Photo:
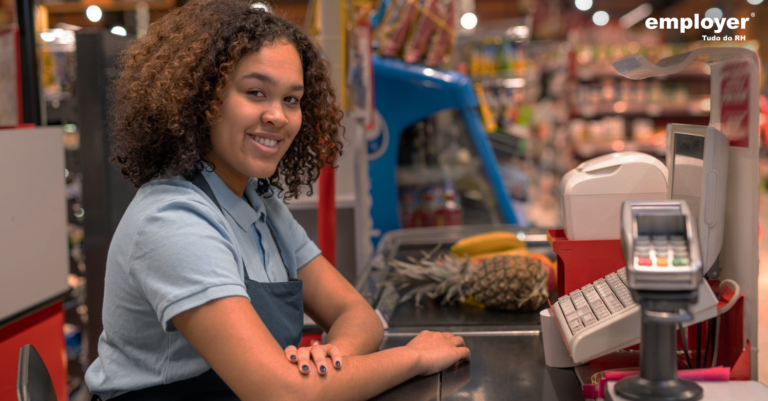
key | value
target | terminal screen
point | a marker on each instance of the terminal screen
(688, 170)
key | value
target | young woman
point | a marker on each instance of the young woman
(222, 111)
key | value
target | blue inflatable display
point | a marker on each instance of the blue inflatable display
(406, 94)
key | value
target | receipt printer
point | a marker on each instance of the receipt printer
(593, 192)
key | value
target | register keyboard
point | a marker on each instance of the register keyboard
(602, 317)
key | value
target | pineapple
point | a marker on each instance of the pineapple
(514, 282)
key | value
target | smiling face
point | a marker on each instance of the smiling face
(259, 116)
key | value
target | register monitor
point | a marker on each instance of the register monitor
(697, 164)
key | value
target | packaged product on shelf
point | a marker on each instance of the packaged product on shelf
(417, 44)
(450, 212)
(443, 40)
(388, 22)
(394, 36)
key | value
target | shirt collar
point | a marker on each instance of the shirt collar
(240, 210)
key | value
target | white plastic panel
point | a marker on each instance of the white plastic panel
(33, 236)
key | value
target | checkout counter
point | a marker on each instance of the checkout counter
(507, 349)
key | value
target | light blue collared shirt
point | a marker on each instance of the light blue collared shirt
(174, 251)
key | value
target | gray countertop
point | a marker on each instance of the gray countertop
(503, 367)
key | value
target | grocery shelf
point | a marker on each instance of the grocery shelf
(589, 73)
(589, 150)
(649, 109)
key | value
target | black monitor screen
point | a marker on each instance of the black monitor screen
(689, 145)
(661, 224)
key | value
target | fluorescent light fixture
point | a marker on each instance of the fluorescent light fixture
(714, 13)
(513, 83)
(93, 13)
(583, 5)
(600, 18)
(469, 21)
(118, 30)
(261, 6)
(754, 2)
(638, 14)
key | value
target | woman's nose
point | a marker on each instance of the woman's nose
(274, 115)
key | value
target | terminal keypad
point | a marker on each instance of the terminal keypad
(596, 302)
(661, 251)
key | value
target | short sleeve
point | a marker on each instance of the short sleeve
(304, 248)
(183, 257)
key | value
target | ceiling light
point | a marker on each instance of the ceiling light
(260, 6)
(520, 31)
(600, 18)
(714, 13)
(583, 5)
(93, 13)
(47, 36)
(469, 21)
(754, 2)
(118, 30)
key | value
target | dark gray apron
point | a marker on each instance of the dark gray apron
(279, 305)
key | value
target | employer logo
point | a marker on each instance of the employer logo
(695, 23)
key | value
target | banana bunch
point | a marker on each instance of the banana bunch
(489, 244)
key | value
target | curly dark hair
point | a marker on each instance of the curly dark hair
(171, 84)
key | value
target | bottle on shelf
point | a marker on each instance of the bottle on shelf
(428, 210)
(450, 212)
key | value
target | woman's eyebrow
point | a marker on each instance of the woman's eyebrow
(269, 80)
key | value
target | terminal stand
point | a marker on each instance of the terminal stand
(658, 379)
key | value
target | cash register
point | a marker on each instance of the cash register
(602, 316)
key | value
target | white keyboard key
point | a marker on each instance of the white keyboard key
(588, 320)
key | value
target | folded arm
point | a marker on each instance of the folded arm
(339, 309)
(230, 336)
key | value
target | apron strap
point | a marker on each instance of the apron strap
(199, 181)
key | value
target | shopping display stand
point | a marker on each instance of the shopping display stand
(735, 108)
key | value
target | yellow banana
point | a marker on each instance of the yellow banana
(486, 243)
(518, 251)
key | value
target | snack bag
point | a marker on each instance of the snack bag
(417, 45)
(392, 42)
(443, 40)
(387, 23)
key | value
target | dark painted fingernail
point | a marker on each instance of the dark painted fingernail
(305, 367)
(322, 369)
(293, 356)
(338, 363)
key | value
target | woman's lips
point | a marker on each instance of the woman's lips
(266, 145)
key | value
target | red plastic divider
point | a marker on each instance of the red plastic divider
(582, 262)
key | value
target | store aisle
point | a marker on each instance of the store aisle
(762, 308)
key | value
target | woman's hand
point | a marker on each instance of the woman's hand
(438, 351)
(318, 352)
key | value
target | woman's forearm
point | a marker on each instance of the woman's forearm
(360, 378)
(356, 332)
